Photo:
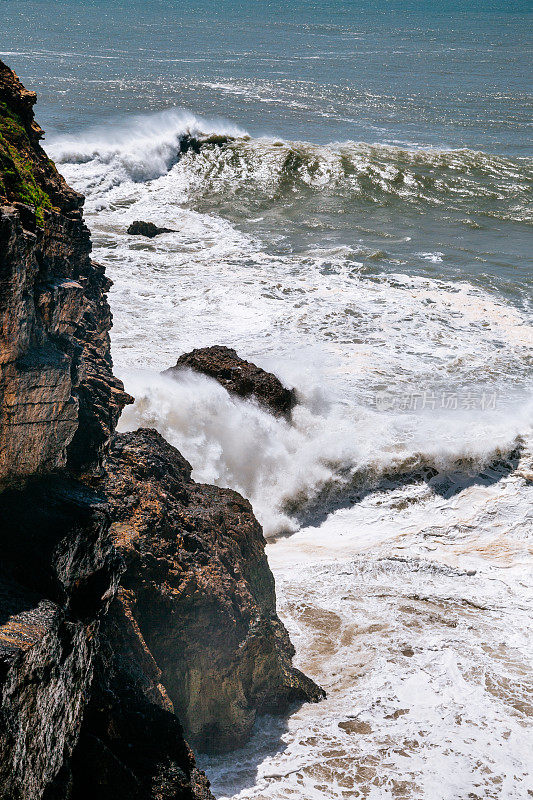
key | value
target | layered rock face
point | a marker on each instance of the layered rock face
(198, 589)
(58, 568)
(59, 399)
(59, 403)
(240, 377)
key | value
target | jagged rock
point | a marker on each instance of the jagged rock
(27, 175)
(59, 399)
(131, 745)
(59, 572)
(201, 594)
(140, 228)
(239, 376)
(59, 404)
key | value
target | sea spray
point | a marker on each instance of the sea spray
(139, 149)
(323, 459)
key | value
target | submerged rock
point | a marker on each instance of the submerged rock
(240, 377)
(140, 228)
(200, 594)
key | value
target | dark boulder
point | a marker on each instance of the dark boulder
(140, 228)
(240, 377)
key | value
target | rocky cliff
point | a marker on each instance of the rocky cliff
(59, 569)
(59, 404)
(59, 400)
(96, 679)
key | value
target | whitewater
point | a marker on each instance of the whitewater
(398, 501)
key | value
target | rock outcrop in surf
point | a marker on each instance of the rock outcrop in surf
(200, 593)
(239, 376)
(149, 229)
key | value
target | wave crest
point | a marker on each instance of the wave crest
(261, 170)
(360, 173)
(141, 148)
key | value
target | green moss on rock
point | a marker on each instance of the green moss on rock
(17, 179)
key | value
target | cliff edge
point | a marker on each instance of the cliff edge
(59, 399)
(59, 404)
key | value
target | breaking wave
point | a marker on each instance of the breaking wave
(140, 149)
(229, 167)
(327, 459)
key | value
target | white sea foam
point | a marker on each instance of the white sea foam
(428, 677)
(417, 623)
(140, 149)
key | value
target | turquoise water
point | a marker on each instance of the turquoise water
(364, 232)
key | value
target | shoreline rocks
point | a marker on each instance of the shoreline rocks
(239, 377)
(200, 592)
(59, 573)
(59, 405)
(97, 679)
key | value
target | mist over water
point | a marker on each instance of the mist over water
(364, 231)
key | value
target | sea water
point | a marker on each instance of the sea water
(365, 233)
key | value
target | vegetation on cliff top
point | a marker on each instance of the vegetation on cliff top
(17, 179)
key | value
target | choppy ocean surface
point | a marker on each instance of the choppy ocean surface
(365, 233)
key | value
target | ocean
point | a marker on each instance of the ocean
(362, 228)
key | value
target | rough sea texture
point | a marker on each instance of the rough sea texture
(367, 237)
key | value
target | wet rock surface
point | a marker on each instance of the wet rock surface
(148, 229)
(195, 142)
(240, 377)
(200, 593)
